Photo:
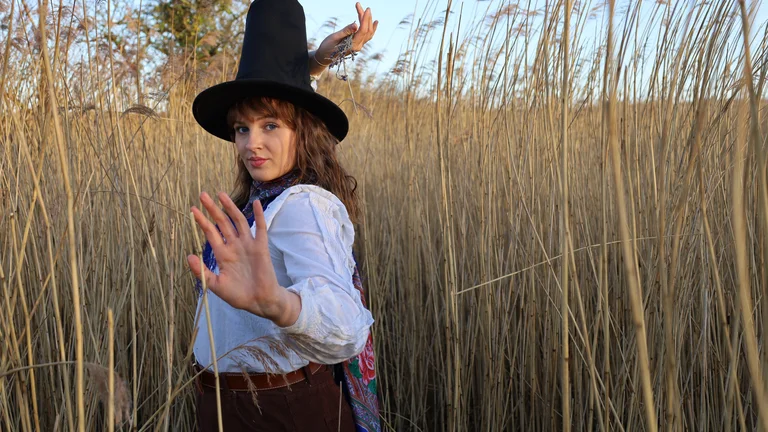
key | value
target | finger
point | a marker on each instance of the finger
(364, 22)
(361, 37)
(375, 26)
(366, 31)
(211, 233)
(241, 223)
(360, 12)
(221, 219)
(200, 271)
(368, 18)
(258, 217)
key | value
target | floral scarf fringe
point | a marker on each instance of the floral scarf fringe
(358, 373)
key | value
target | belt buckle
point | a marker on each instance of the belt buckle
(196, 369)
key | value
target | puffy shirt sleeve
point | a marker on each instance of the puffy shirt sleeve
(314, 235)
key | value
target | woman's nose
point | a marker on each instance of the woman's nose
(255, 140)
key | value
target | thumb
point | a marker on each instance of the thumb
(200, 270)
(348, 30)
(329, 43)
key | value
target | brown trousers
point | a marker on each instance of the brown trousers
(311, 405)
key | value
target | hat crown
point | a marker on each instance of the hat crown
(275, 44)
(274, 63)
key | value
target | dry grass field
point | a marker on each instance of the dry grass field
(542, 250)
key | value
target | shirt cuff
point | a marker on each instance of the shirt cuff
(314, 79)
(308, 318)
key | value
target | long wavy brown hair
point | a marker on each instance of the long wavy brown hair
(316, 161)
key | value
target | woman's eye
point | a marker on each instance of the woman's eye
(270, 126)
(241, 129)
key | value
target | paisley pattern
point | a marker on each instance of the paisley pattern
(358, 373)
(360, 379)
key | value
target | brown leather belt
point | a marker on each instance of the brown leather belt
(258, 381)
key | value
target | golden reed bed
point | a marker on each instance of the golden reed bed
(536, 258)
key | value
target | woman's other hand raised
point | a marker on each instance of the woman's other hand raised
(362, 35)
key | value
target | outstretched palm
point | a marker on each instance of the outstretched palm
(246, 278)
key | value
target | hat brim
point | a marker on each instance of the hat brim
(211, 106)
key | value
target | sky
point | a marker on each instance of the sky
(390, 13)
(391, 39)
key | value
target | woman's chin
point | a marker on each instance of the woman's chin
(263, 176)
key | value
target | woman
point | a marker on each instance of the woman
(288, 328)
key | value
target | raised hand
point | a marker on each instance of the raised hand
(362, 35)
(246, 278)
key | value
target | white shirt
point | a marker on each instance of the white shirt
(310, 242)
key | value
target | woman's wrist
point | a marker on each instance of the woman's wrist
(321, 59)
(317, 63)
(284, 310)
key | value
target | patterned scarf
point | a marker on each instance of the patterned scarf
(358, 373)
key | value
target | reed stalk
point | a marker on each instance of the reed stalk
(64, 166)
(565, 233)
(628, 252)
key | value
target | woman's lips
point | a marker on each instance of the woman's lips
(257, 162)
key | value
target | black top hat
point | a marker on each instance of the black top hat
(274, 63)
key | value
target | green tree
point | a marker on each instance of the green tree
(198, 29)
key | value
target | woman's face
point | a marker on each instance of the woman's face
(266, 145)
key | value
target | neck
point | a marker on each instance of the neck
(290, 176)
